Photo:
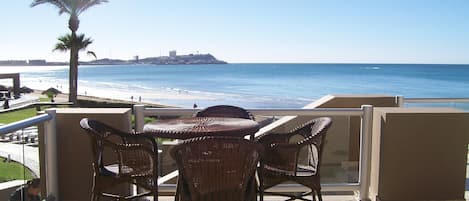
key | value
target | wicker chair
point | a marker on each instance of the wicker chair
(281, 159)
(217, 168)
(225, 111)
(136, 161)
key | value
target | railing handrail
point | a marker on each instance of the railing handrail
(34, 104)
(436, 100)
(18, 125)
(266, 111)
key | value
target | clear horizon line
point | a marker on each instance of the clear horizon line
(269, 62)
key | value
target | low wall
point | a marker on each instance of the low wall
(74, 152)
(419, 154)
(7, 188)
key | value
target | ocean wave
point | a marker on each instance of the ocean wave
(373, 68)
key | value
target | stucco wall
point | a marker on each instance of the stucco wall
(419, 154)
(74, 149)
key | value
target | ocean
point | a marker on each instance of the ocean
(251, 85)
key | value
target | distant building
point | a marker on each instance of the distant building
(37, 62)
(14, 62)
(172, 53)
(136, 58)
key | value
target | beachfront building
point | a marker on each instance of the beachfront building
(37, 62)
(172, 53)
(13, 63)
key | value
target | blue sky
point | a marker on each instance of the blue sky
(296, 31)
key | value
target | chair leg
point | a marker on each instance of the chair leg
(260, 179)
(178, 190)
(95, 196)
(155, 195)
(319, 195)
(261, 189)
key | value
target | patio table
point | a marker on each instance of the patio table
(186, 128)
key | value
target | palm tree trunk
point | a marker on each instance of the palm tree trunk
(73, 76)
(73, 24)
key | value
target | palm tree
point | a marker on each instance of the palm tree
(74, 8)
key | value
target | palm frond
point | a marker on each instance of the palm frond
(70, 6)
(83, 42)
(60, 4)
(92, 54)
(65, 42)
(60, 47)
(85, 4)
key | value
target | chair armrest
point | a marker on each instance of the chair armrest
(124, 135)
(133, 139)
(135, 147)
(269, 138)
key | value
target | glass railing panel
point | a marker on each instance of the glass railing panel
(340, 156)
(467, 175)
(459, 105)
(19, 159)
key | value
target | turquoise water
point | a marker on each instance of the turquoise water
(256, 85)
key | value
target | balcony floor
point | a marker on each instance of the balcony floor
(275, 198)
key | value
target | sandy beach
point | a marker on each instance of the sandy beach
(63, 98)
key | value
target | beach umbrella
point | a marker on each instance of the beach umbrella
(52, 90)
(51, 93)
(26, 90)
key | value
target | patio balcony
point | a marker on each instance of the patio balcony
(377, 149)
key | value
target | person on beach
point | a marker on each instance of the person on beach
(29, 192)
(6, 104)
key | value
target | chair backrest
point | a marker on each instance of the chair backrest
(97, 133)
(216, 168)
(314, 133)
(283, 152)
(103, 135)
(225, 111)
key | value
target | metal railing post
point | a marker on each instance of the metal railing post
(139, 113)
(50, 145)
(365, 152)
(400, 101)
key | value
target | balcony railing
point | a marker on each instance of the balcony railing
(463, 102)
(48, 120)
(365, 112)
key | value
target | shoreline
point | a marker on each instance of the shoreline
(63, 98)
